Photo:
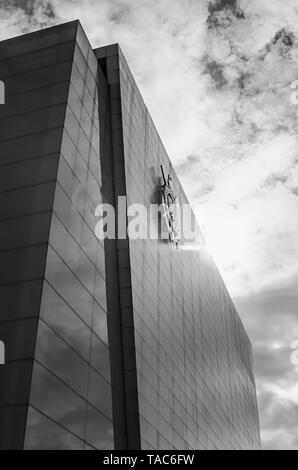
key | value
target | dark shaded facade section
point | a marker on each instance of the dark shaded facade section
(36, 71)
(126, 344)
(106, 100)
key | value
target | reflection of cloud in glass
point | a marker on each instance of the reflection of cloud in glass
(57, 400)
(65, 321)
(43, 433)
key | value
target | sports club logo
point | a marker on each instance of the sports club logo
(171, 208)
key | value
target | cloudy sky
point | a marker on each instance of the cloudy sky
(216, 76)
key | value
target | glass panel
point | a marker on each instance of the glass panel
(57, 401)
(99, 430)
(58, 314)
(100, 357)
(19, 338)
(29, 172)
(12, 427)
(39, 78)
(61, 359)
(69, 287)
(27, 200)
(27, 230)
(99, 394)
(44, 434)
(22, 264)
(16, 377)
(20, 300)
(45, 142)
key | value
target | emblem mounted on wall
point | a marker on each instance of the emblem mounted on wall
(171, 208)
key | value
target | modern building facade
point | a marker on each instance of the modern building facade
(115, 343)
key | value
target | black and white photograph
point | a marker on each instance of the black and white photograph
(148, 227)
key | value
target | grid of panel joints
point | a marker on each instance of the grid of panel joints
(210, 302)
(36, 75)
(71, 394)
